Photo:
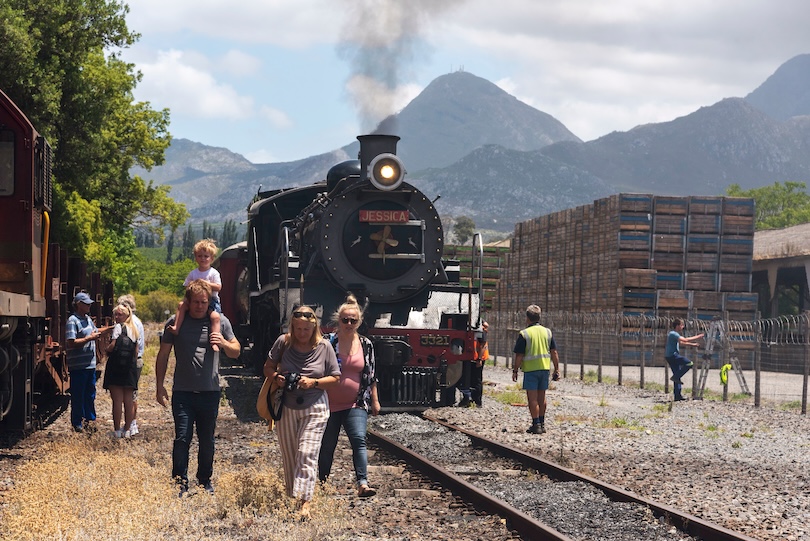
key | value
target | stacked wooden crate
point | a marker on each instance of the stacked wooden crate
(636, 254)
(493, 266)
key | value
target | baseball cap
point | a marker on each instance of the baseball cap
(82, 297)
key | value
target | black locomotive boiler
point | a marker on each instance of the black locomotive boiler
(361, 230)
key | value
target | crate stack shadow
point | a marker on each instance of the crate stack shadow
(641, 256)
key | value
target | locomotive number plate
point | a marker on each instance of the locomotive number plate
(434, 340)
(381, 216)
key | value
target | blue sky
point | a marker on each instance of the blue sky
(279, 80)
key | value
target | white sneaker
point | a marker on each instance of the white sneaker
(133, 428)
(127, 434)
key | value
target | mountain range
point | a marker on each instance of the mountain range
(498, 160)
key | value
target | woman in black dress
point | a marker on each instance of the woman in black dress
(121, 372)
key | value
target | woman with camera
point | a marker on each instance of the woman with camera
(354, 397)
(305, 364)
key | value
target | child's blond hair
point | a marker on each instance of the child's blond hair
(206, 245)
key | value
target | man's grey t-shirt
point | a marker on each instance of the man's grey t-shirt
(197, 365)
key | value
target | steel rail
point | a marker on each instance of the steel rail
(525, 525)
(694, 526)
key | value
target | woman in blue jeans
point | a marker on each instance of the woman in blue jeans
(353, 398)
(679, 364)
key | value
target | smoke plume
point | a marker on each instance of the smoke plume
(381, 40)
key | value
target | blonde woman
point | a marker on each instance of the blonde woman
(353, 398)
(305, 364)
(121, 372)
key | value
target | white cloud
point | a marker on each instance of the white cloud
(171, 81)
(288, 23)
(278, 119)
(596, 66)
(604, 66)
(236, 62)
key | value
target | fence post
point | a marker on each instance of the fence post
(806, 362)
(667, 323)
(601, 347)
(757, 360)
(642, 340)
(583, 318)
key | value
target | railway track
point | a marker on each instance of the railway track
(479, 489)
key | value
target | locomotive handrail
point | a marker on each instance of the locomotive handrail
(46, 219)
(285, 261)
(256, 259)
(476, 241)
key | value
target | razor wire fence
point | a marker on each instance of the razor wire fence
(764, 359)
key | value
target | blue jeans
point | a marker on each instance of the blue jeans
(354, 421)
(189, 408)
(82, 396)
(680, 365)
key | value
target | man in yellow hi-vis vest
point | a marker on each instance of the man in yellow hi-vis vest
(534, 352)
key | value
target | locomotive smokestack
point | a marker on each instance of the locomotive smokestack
(372, 146)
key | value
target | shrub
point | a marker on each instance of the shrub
(156, 306)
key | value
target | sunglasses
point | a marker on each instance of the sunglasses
(303, 315)
(348, 320)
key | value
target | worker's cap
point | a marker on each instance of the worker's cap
(82, 297)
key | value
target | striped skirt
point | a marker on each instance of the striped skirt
(299, 437)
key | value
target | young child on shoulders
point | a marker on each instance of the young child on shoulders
(204, 252)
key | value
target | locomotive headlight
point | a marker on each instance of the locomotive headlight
(386, 172)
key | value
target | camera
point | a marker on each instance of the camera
(291, 381)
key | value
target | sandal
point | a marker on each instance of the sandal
(366, 491)
(304, 514)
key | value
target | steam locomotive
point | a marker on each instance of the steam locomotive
(361, 230)
(37, 279)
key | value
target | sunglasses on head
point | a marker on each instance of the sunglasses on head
(303, 315)
(348, 320)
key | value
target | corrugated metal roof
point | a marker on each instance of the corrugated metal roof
(791, 241)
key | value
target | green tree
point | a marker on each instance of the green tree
(777, 206)
(189, 239)
(464, 229)
(208, 231)
(157, 276)
(170, 247)
(229, 234)
(60, 63)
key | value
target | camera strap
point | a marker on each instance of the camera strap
(276, 415)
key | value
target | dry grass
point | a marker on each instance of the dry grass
(98, 488)
(80, 486)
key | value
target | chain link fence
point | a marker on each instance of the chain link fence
(761, 360)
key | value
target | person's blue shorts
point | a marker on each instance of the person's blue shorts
(536, 380)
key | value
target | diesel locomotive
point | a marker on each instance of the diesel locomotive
(37, 279)
(363, 230)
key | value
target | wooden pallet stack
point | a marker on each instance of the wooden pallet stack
(637, 254)
(493, 264)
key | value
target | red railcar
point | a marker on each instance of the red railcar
(37, 279)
